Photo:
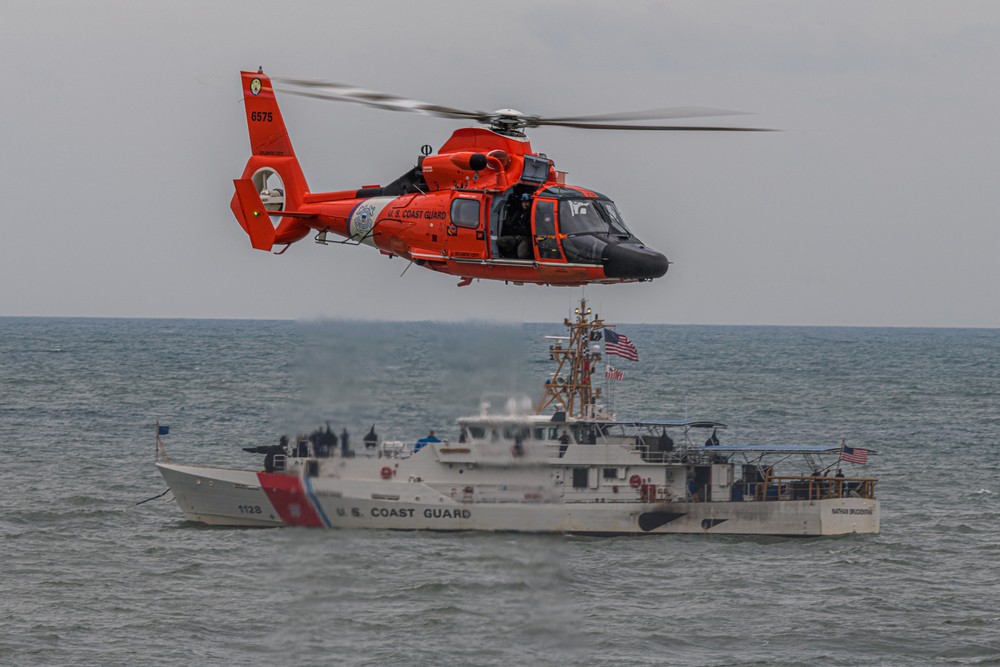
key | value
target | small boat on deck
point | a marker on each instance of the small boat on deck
(576, 470)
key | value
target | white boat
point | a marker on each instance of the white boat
(517, 472)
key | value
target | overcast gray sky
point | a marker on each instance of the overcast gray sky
(877, 205)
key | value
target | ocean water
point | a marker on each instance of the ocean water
(89, 578)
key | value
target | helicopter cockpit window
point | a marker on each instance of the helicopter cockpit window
(580, 216)
(583, 249)
(465, 213)
(615, 218)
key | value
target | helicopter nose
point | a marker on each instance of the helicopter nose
(633, 261)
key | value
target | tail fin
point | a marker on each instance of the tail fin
(271, 154)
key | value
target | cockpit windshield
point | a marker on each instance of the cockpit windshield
(590, 216)
(615, 218)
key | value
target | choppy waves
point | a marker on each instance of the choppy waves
(91, 579)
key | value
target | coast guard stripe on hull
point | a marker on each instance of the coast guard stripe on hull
(289, 499)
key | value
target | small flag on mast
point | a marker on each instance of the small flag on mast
(163, 430)
(854, 455)
(614, 374)
(616, 343)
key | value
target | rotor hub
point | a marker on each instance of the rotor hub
(508, 121)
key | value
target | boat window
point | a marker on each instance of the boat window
(478, 432)
(580, 478)
(465, 213)
(553, 434)
(580, 216)
(583, 249)
(508, 433)
(610, 473)
(525, 434)
(539, 434)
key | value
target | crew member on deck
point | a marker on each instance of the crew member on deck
(345, 448)
(563, 443)
(329, 441)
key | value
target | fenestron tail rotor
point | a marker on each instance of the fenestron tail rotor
(507, 120)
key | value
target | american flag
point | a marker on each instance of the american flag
(614, 374)
(853, 455)
(616, 343)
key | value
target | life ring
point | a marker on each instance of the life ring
(635, 481)
(386, 472)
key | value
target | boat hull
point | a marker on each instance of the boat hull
(226, 497)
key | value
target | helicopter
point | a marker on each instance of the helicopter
(485, 206)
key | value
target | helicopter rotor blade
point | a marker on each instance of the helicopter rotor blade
(651, 114)
(680, 128)
(339, 92)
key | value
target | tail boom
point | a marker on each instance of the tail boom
(272, 152)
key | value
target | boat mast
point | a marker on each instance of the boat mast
(571, 387)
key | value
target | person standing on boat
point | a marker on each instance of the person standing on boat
(563, 443)
(693, 489)
(345, 447)
(329, 441)
(518, 449)
(463, 436)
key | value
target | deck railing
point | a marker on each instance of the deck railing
(788, 487)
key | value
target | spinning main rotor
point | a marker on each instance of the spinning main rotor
(507, 121)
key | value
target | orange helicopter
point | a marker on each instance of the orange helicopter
(484, 207)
